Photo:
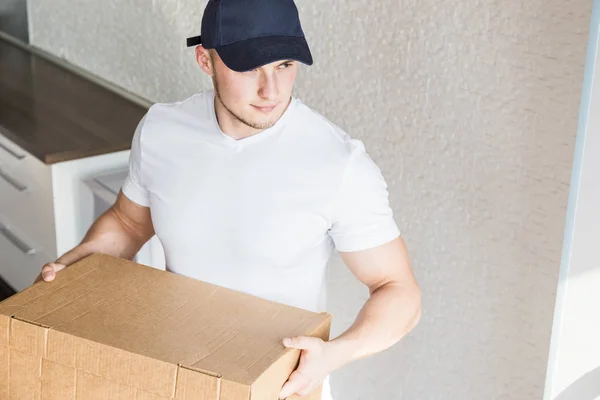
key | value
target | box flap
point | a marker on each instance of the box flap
(164, 316)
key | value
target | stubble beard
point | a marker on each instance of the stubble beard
(254, 125)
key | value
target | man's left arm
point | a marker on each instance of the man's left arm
(392, 310)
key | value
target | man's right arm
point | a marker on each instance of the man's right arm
(121, 232)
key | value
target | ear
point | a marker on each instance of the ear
(204, 60)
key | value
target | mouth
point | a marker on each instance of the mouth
(265, 109)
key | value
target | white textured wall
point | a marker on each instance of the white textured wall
(574, 363)
(470, 109)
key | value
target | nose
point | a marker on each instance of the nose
(268, 87)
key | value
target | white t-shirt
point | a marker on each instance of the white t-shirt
(262, 214)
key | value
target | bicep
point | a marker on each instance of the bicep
(135, 218)
(380, 265)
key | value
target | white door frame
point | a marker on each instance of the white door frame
(574, 360)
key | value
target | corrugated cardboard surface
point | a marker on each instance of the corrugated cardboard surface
(108, 328)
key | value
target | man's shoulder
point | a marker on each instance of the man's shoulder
(176, 119)
(193, 106)
(320, 130)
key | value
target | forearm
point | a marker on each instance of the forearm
(109, 235)
(390, 313)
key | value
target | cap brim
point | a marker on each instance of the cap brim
(249, 54)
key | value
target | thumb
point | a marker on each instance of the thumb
(300, 342)
(49, 270)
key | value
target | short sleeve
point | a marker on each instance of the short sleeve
(362, 216)
(133, 187)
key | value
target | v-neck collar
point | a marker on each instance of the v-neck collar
(239, 144)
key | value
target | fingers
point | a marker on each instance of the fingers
(299, 383)
(296, 384)
(49, 271)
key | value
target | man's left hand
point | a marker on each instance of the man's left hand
(317, 360)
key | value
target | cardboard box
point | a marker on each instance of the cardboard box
(111, 329)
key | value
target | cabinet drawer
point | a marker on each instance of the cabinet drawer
(26, 206)
(22, 164)
(11, 154)
(20, 264)
(26, 195)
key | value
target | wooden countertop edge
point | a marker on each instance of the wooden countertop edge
(70, 155)
(62, 156)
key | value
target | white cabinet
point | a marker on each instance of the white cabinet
(45, 210)
(26, 196)
(20, 262)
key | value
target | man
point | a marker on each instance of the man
(248, 188)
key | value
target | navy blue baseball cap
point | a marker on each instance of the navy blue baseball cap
(250, 33)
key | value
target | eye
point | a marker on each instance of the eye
(286, 65)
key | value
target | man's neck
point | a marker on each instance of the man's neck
(230, 124)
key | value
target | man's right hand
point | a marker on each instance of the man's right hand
(49, 272)
(121, 231)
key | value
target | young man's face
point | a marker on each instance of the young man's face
(255, 98)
